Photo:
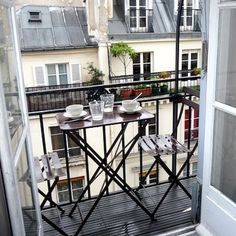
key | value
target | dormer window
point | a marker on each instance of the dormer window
(139, 15)
(35, 16)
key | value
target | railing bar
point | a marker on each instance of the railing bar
(105, 156)
(123, 153)
(87, 163)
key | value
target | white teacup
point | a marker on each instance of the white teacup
(130, 105)
(75, 109)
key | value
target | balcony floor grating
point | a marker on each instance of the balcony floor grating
(119, 215)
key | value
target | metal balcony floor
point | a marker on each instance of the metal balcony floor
(118, 215)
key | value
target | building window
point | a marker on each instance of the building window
(187, 17)
(194, 125)
(142, 65)
(193, 169)
(190, 60)
(138, 15)
(35, 16)
(58, 144)
(152, 126)
(57, 74)
(76, 188)
(151, 178)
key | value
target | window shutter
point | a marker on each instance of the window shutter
(75, 73)
(39, 76)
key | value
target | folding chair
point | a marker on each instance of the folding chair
(48, 167)
(158, 145)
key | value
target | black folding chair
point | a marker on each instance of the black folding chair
(159, 145)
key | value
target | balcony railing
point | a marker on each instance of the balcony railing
(60, 96)
(137, 157)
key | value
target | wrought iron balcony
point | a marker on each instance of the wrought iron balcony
(116, 214)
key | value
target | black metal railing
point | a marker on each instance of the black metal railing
(139, 20)
(70, 162)
(58, 97)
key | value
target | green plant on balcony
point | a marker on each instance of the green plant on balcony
(164, 74)
(146, 90)
(164, 86)
(95, 74)
(156, 90)
(196, 71)
(124, 53)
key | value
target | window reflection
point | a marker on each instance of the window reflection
(8, 76)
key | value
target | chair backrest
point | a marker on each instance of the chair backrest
(48, 167)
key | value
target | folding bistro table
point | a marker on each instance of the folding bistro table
(80, 138)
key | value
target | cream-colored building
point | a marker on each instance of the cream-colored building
(59, 39)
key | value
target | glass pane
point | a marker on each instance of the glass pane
(224, 158)
(76, 193)
(146, 57)
(74, 152)
(184, 56)
(142, 2)
(51, 69)
(8, 77)
(136, 69)
(133, 22)
(63, 196)
(142, 13)
(189, 21)
(57, 142)
(52, 80)
(132, 2)
(226, 73)
(146, 68)
(133, 13)
(136, 59)
(62, 68)
(63, 79)
(193, 56)
(142, 22)
(61, 187)
(26, 198)
(55, 130)
(77, 184)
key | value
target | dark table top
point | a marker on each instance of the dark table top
(111, 118)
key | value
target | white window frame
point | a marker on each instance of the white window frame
(141, 63)
(189, 52)
(138, 17)
(57, 72)
(67, 143)
(64, 181)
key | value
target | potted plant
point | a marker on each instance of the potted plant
(95, 74)
(142, 88)
(164, 74)
(164, 86)
(196, 71)
(156, 90)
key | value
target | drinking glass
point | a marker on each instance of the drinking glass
(108, 100)
(96, 109)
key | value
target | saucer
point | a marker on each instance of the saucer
(131, 112)
(82, 114)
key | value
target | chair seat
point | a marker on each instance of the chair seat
(161, 145)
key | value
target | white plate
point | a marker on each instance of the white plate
(83, 113)
(130, 112)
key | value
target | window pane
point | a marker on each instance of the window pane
(52, 80)
(142, 2)
(57, 142)
(146, 57)
(142, 13)
(224, 158)
(63, 79)
(62, 68)
(77, 184)
(226, 73)
(51, 69)
(184, 56)
(133, 22)
(136, 59)
(62, 187)
(133, 13)
(146, 68)
(55, 130)
(189, 21)
(74, 152)
(76, 193)
(63, 196)
(142, 22)
(132, 2)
